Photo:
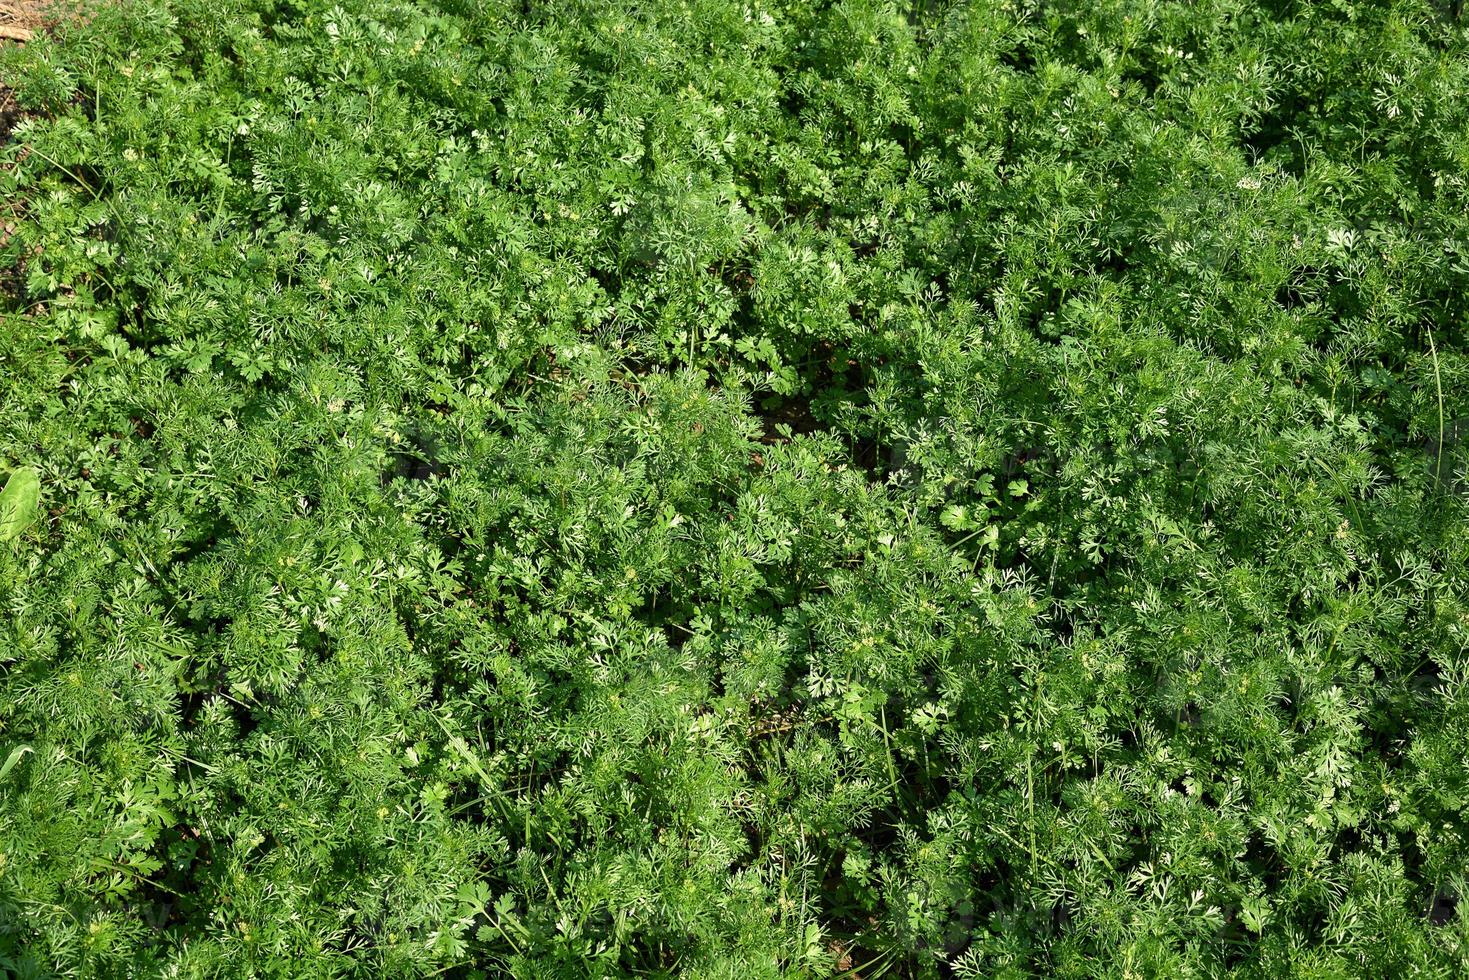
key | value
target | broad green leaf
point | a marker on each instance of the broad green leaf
(19, 503)
(16, 754)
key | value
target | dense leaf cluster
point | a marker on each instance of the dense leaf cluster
(736, 488)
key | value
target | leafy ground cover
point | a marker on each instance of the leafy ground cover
(736, 488)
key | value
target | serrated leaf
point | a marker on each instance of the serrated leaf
(19, 503)
(956, 517)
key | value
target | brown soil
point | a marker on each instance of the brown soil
(19, 19)
(10, 113)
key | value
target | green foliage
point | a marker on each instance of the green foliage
(18, 502)
(736, 490)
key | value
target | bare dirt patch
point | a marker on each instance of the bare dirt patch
(21, 19)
